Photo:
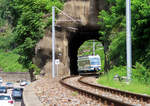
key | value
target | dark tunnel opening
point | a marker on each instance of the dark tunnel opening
(76, 39)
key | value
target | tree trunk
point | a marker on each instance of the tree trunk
(32, 75)
(106, 65)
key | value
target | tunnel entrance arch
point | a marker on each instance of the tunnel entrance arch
(75, 40)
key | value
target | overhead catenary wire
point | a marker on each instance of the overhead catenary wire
(61, 12)
(53, 35)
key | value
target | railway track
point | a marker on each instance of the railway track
(91, 92)
(144, 99)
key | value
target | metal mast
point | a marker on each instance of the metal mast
(128, 39)
(93, 47)
(53, 42)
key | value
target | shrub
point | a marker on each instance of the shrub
(141, 73)
(36, 70)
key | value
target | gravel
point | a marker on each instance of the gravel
(52, 93)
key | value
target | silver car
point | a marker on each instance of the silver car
(9, 85)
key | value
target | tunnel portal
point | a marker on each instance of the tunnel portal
(76, 39)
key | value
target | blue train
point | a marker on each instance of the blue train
(90, 63)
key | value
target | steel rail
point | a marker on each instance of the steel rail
(103, 99)
(127, 94)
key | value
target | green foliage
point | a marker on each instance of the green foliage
(121, 71)
(141, 73)
(75, 93)
(108, 77)
(8, 12)
(26, 52)
(116, 54)
(9, 62)
(35, 69)
(136, 85)
(7, 42)
(112, 22)
(141, 31)
(2, 22)
(30, 18)
(6, 36)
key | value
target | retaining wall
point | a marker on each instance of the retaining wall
(15, 76)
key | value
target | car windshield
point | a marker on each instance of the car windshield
(23, 81)
(9, 83)
(18, 92)
(3, 97)
(17, 89)
(95, 61)
(2, 87)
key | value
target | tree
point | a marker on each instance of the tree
(110, 24)
(27, 18)
(112, 28)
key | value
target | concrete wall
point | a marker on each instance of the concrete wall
(15, 76)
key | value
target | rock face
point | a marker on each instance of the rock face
(95, 7)
(43, 53)
(74, 25)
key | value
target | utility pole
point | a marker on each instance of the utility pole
(53, 34)
(93, 47)
(128, 39)
(53, 42)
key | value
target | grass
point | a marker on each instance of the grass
(75, 93)
(9, 63)
(135, 85)
(8, 60)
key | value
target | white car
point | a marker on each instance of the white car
(23, 82)
(6, 100)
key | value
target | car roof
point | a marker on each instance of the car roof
(9, 82)
(5, 94)
(17, 88)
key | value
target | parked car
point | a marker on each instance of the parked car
(6, 100)
(3, 89)
(23, 82)
(9, 85)
(17, 93)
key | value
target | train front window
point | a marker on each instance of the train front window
(95, 61)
